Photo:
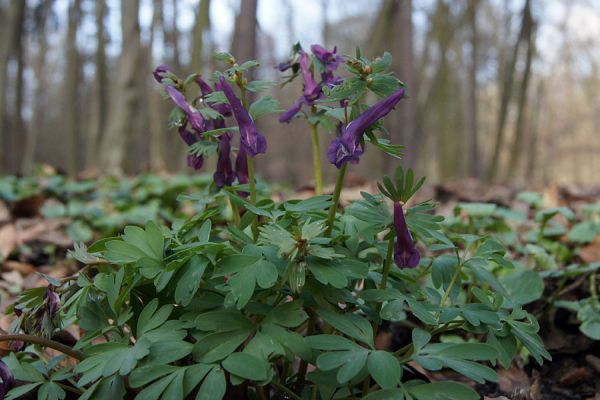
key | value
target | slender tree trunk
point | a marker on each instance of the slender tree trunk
(472, 114)
(393, 31)
(125, 101)
(157, 127)
(518, 142)
(507, 85)
(72, 79)
(532, 147)
(5, 23)
(244, 46)
(101, 87)
(200, 28)
(174, 36)
(40, 101)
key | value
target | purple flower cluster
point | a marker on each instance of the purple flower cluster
(313, 91)
(251, 141)
(406, 254)
(348, 146)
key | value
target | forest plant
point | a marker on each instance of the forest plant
(258, 299)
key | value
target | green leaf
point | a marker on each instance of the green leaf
(265, 105)
(150, 318)
(443, 391)
(216, 346)
(352, 325)
(246, 366)
(385, 369)
(290, 314)
(523, 287)
(213, 387)
(17, 392)
(330, 342)
(190, 278)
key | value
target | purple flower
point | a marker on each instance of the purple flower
(159, 71)
(406, 254)
(195, 161)
(330, 59)
(284, 66)
(224, 109)
(250, 138)
(8, 380)
(312, 90)
(348, 147)
(223, 175)
(52, 301)
(193, 116)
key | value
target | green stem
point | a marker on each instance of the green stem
(312, 322)
(252, 185)
(452, 282)
(339, 183)
(316, 150)
(45, 343)
(235, 213)
(388, 262)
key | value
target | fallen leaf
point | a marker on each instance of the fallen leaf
(575, 376)
(591, 252)
(8, 240)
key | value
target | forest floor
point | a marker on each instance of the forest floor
(41, 219)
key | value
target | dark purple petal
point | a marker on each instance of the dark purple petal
(330, 59)
(16, 346)
(8, 380)
(224, 175)
(338, 153)
(284, 66)
(195, 161)
(223, 109)
(241, 167)
(406, 254)
(204, 87)
(187, 136)
(159, 71)
(312, 90)
(293, 110)
(254, 142)
(52, 301)
(193, 116)
(349, 147)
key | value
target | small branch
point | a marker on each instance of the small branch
(45, 343)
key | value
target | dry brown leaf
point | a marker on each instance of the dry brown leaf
(575, 376)
(8, 240)
(513, 378)
(24, 269)
(591, 252)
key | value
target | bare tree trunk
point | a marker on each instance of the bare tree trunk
(506, 96)
(125, 103)
(174, 36)
(12, 47)
(71, 93)
(157, 130)
(393, 31)
(202, 25)
(101, 89)
(518, 145)
(472, 114)
(5, 23)
(244, 45)
(532, 148)
(40, 88)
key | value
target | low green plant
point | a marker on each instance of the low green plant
(262, 299)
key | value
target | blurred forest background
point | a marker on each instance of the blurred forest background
(499, 90)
